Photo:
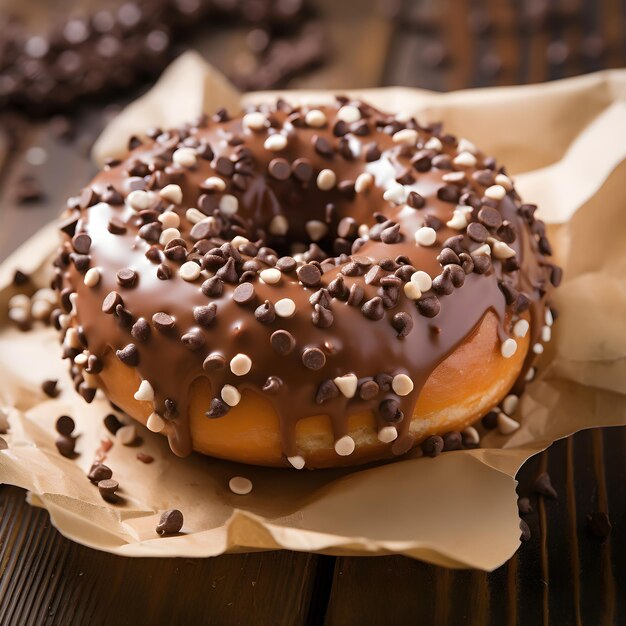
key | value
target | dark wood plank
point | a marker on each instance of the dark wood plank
(45, 578)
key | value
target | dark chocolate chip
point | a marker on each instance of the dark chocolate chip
(116, 226)
(170, 522)
(322, 317)
(194, 339)
(279, 169)
(302, 170)
(212, 287)
(217, 408)
(452, 441)
(543, 486)
(283, 342)
(390, 411)
(373, 309)
(81, 242)
(163, 321)
(214, 361)
(164, 272)
(442, 284)
(456, 275)
(265, 313)
(313, 358)
(433, 446)
(326, 391)
(429, 306)
(524, 506)
(272, 385)
(525, 530)
(356, 295)
(482, 263)
(309, 275)
(599, 524)
(477, 232)
(286, 264)
(126, 277)
(129, 355)
(228, 272)
(368, 390)
(490, 420)
(403, 324)
(141, 330)
(205, 315)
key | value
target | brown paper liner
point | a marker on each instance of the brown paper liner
(564, 142)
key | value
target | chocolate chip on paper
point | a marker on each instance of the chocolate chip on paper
(170, 522)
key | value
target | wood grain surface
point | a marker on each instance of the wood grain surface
(563, 575)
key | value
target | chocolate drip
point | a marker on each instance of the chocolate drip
(227, 176)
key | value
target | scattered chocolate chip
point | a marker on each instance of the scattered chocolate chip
(477, 232)
(286, 264)
(228, 272)
(302, 170)
(116, 226)
(452, 441)
(65, 425)
(309, 275)
(490, 420)
(214, 362)
(212, 287)
(322, 317)
(403, 324)
(279, 169)
(368, 390)
(107, 489)
(65, 445)
(525, 530)
(98, 472)
(373, 309)
(49, 387)
(429, 306)
(170, 522)
(356, 295)
(543, 486)
(384, 381)
(482, 263)
(524, 506)
(433, 446)
(194, 339)
(81, 242)
(112, 424)
(144, 458)
(265, 313)
(390, 411)
(283, 342)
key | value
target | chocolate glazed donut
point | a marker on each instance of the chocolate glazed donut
(308, 285)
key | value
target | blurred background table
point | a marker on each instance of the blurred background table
(562, 575)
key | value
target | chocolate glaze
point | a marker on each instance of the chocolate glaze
(352, 343)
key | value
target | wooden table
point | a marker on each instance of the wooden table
(563, 575)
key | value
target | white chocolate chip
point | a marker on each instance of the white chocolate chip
(344, 446)
(92, 277)
(508, 348)
(189, 271)
(538, 348)
(316, 229)
(363, 181)
(81, 359)
(240, 485)
(434, 144)
(172, 193)
(169, 219)
(229, 204)
(465, 145)
(41, 309)
(402, 384)
(495, 192)
(214, 183)
(530, 375)
(504, 181)
(64, 321)
(484, 249)
(73, 301)
(465, 159)
(349, 114)
(454, 177)
(510, 404)
(285, 307)
(520, 329)
(186, 157)
(230, 395)
(425, 236)
(126, 435)
(412, 291)
(155, 423)
(387, 434)
(315, 118)
(271, 275)
(254, 121)
(471, 435)
(458, 221)
(347, 384)
(506, 425)
(168, 235)
(139, 199)
(145, 393)
(19, 301)
(296, 461)
(549, 317)
(195, 216)
(46, 294)
(237, 241)
(72, 339)
(275, 143)
(396, 194)
(363, 231)
(279, 225)
(546, 334)
(240, 364)
(326, 180)
(422, 280)
(406, 136)
(502, 251)
(18, 315)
